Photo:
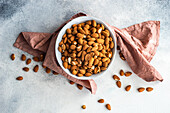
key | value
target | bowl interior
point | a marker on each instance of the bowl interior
(62, 32)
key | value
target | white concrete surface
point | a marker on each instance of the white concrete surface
(46, 93)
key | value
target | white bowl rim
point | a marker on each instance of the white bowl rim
(62, 32)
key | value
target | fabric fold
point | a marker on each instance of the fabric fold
(137, 43)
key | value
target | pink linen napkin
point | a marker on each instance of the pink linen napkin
(138, 44)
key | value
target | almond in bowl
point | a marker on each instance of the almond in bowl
(86, 49)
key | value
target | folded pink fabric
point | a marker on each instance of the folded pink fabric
(138, 44)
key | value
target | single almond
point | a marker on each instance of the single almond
(127, 88)
(91, 42)
(83, 106)
(149, 89)
(79, 54)
(141, 89)
(94, 35)
(108, 106)
(59, 49)
(94, 48)
(94, 24)
(71, 82)
(89, 22)
(35, 69)
(23, 57)
(106, 34)
(101, 101)
(103, 68)
(73, 67)
(81, 30)
(43, 66)
(87, 26)
(102, 26)
(13, 56)
(79, 75)
(107, 40)
(41, 57)
(79, 86)
(88, 74)
(55, 73)
(36, 59)
(91, 61)
(105, 59)
(73, 47)
(99, 30)
(121, 72)
(121, 56)
(79, 48)
(69, 67)
(74, 72)
(65, 64)
(19, 78)
(105, 64)
(80, 35)
(68, 31)
(111, 44)
(82, 71)
(100, 41)
(87, 57)
(48, 70)
(26, 69)
(96, 61)
(118, 83)
(127, 74)
(89, 49)
(115, 77)
(28, 61)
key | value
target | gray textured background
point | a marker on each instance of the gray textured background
(46, 93)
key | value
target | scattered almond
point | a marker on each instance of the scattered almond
(118, 83)
(115, 77)
(41, 57)
(149, 89)
(23, 57)
(36, 59)
(26, 69)
(55, 73)
(19, 78)
(36, 68)
(127, 74)
(48, 70)
(127, 88)
(28, 61)
(79, 86)
(121, 56)
(43, 66)
(141, 89)
(71, 82)
(13, 56)
(83, 106)
(108, 106)
(121, 72)
(101, 101)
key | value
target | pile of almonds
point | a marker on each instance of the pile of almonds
(28, 61)
(86, 48)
